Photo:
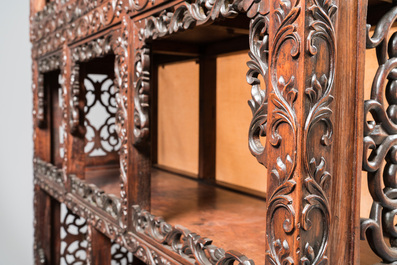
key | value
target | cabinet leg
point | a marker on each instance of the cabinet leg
(47, 228)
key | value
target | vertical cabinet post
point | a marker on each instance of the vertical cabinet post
(207, 117)
(310, 56)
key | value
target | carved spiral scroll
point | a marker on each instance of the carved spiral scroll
(258, 68)
(380, 141)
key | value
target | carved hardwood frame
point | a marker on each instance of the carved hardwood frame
(299, 177)
(113, 41)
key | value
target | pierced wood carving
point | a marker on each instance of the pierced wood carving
(380, 131)
(73, 238)
(120, 255)
(259, 52)
(109, 203)
(321, 40)
(49, 178)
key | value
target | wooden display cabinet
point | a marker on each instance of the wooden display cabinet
(103, 194)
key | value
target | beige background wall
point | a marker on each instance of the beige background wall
(178, 121)
(234, 162)
(178, 116)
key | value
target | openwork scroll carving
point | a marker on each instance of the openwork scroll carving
(380, 139)
(73, 238)
(259, 49)
(101, 138)
(120, 255)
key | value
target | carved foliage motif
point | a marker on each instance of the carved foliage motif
(258, 67)
(186, 15)
(49, 178)
(141, 95)
(380, 139)
(63, 22)
(317, 183)
(109, 203)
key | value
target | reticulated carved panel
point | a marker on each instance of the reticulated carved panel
(380, 138)
(98, 101)
(99, 115)
(73, 238)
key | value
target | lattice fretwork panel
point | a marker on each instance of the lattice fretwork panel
(73, 238)
(120, 255)
(100, 110)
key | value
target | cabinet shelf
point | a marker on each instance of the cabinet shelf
(229, 218)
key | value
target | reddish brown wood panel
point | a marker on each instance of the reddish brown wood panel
(98, 247)
(207, 117)
(47, 239)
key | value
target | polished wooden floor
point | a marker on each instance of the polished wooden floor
(234, 221)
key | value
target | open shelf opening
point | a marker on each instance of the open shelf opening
(100, 144)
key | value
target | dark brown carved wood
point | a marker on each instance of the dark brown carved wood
(306, 72)
(379, 143)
